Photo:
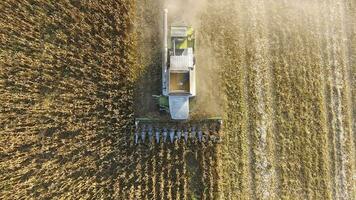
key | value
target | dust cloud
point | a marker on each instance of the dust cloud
(185, 12)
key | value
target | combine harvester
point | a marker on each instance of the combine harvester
(178, 87)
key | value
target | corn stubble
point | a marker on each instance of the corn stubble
(70, 72)
(288, 70)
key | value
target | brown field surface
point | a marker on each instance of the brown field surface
(75, 74)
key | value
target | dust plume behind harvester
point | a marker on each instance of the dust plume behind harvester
(178, 93)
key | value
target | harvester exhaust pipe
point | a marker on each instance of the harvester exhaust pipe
(165, 52)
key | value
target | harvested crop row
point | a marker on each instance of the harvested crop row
(295, 51)
(351, 30)
(225, 40)
(338, 97)
(300, 120)
(261, 122)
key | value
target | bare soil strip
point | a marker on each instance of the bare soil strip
(350, 13)
(340, 120)
(261, 122)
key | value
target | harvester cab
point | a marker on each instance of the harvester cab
(178, 87)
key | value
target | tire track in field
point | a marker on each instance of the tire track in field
(260, 117)
(272, 96)
(350, 20)
(351, 14)
(337, 85)
(328, 104)
(347, 109)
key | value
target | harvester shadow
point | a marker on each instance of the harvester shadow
(147, 84)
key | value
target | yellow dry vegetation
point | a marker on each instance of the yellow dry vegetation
(65, 97)
(73, 75)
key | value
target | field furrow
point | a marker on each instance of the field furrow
(350, 15)
(260, 109)
(339, 116)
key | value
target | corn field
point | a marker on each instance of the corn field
(75, 74)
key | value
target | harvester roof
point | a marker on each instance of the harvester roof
(182, 62)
